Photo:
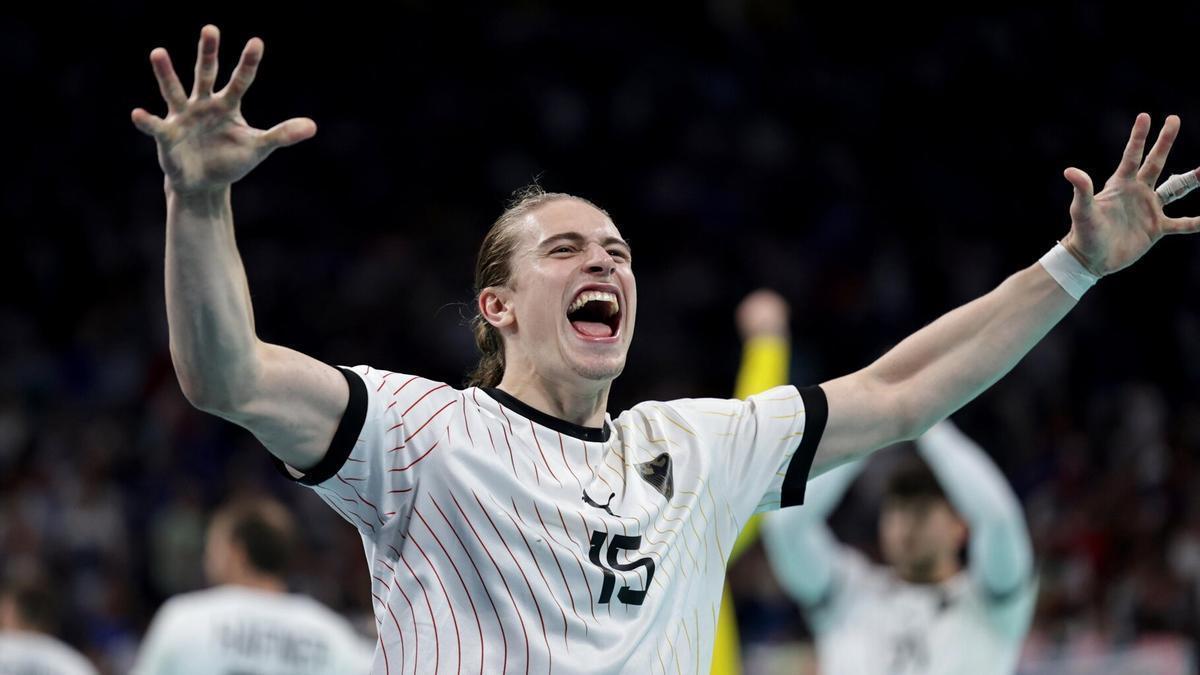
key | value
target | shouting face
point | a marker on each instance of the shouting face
(567, 313)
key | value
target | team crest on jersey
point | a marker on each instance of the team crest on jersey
(657, 472)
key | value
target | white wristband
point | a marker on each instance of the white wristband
(1074, 278)
(1177, 186)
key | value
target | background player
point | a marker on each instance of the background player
(27, 626)
(554, 338)
(922, 613)
(248, 622)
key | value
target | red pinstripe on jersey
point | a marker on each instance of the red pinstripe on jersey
(426, 422)
(463, 583)
(413, 613)
(516, 609)
(525, 540)
(449, 603)
(466, 425)
(567, 531)
(482, 584)
(437, 642)
(561, 573)
(536, 604)
(453, 526)
(533, 435)
(362, 499)
(386, 668)
(508, 444)
(413, 463)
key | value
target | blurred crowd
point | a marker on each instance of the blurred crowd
(875, 177)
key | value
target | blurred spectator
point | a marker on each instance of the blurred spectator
(27, 624)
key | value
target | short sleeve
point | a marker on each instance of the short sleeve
(393, 422)
(154, 652)
(765, 444)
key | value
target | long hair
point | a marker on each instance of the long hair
(493, 267)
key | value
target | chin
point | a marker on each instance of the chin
(599, 370)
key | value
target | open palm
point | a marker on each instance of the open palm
(204, 143)
(1111, 229)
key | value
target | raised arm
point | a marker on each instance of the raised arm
(762, 322)
(941, 367)
(1000, 549)
(800, 546)
(290, 401)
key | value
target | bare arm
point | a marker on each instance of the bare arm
(290, 401)
(941, 367)
(936, 370)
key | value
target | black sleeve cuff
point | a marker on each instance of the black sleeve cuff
(816, 412)
(343, 439)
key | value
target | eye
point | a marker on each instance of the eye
(563, 249)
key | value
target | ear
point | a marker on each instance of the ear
(238, 561)
(495, 305)
(962, 531)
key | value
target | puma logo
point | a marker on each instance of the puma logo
(588, 500)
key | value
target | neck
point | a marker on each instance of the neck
(260, 582)
(932, 572)
(18, 626)
(582, 405)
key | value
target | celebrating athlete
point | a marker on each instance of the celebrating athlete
(514, 525)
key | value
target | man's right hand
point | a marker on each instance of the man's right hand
(205, 144)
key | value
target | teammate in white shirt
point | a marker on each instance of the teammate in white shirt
(249, 624)
(922, 613)
(514, 526)
(26, 643)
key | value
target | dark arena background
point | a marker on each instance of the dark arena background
(877, 168)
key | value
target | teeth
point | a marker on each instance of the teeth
(585, 297)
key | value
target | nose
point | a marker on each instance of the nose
(598, 260)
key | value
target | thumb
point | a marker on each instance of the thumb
(1083, 188)
(288, 133)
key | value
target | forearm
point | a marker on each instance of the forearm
(1001, 551)
(800, 547)
(210, 319)
(951, 361)
(803, 554)
(941, 367)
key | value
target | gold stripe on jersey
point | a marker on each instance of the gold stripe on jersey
(533, 546)
(764, 365)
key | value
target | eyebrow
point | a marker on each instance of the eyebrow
(577, 238)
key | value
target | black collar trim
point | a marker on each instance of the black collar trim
(590, 434)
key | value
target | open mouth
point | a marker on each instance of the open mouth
(595, 314)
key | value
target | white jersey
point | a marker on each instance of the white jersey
(25, 653)
(502, 540)
(874, 623)
(233, 630)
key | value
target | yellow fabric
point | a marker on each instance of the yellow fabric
(764, 365)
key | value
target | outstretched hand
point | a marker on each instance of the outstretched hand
(204, 143)
(1110, 230)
